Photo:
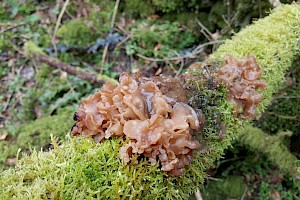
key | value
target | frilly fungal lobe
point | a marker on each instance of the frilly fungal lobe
(242, 79)
(151, 113)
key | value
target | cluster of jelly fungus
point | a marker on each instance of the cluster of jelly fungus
(242, 80)
(150, 113)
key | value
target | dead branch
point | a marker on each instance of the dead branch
(111, 27)
(12, 27)
(58, 22)
(68, 68)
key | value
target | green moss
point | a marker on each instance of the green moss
(267, 190)
(168, 5)
(283, 113)
(8, 150)
(52, 91)
(233, 187)
(134, 7)
(4, 14)
(81, 169)
(30, 49)
(166, 38)
(272, 146)
(75, 32)
(225, 16)
(36, 134)
(45, 94)
(79, 166)
(274, 48)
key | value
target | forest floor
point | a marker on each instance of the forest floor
(106, 38)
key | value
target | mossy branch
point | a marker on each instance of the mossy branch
(84, 170)
(32, 51)
(272, 146)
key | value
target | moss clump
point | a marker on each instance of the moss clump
(159, 40)
(272, 146)
(81, 169)
(36, 134)
(215, 15)
(274, 49)
(283, 113)
(134, 7)
(100, 16)
(233, 187)
(167, 5)
(75, 33)
(267, 189)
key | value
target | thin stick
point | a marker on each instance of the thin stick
(180, 69)
(103, 58)
(114, 14)
(111, 27)
(7, 102)
(12, 27)
(198, 195)
(275, 3)
(195, 52)
(58, 22)
(123, 41)
(164, 59)
(199, 48)
(205, 31)
(68, 68)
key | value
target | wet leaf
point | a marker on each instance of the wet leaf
(276, 195)
(3, 136)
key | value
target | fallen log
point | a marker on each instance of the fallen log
(81, 169)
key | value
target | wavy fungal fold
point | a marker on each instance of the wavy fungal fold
(155, 124)
(242, 79)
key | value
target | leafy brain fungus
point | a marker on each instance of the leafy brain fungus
(150, 113)
(153, 117)
(242, 79)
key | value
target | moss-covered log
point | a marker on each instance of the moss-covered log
(80, 169)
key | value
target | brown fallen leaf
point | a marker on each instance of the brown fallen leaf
(157, 47)
(276, 195)
(3, 136)
(11, 161)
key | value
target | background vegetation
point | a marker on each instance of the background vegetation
(153, 37)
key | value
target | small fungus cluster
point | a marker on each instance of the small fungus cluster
(156, 124)
(242, 79)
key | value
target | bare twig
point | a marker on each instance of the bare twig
(7, 102)
(114, 14)
(198, 195)
(58, 22)
(287, 97)
(68, 68)
(205, 31)
(12, 27)
(103, 58)
(200, 47)
(111, 27)
(164, 59)
(123, 41)
(275, 3)
(181, 67)
(295, 117)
